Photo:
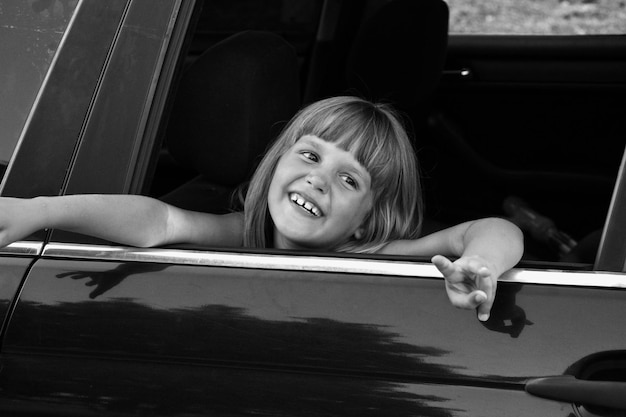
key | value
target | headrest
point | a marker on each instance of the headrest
(399, 52)
(232, 101)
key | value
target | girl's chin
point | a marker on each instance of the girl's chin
(297, 242)
(301, 240)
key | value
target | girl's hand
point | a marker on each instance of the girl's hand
(470, 283)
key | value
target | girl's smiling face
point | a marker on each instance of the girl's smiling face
(319, 196)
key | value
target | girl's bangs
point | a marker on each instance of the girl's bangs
(359, 137)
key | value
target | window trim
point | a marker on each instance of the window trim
(322, 263)
(611, 254)
(23, 248)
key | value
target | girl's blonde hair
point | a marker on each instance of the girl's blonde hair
(375, 135)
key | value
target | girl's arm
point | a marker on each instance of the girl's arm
(486, 248)
(126, 219)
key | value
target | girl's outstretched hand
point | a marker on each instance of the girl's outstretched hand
(470, 283)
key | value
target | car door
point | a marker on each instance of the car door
(110, 329)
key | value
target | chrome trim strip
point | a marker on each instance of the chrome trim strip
(570, 278)
(318, 263)
(22, 249)
(240, 260)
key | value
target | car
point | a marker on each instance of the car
(176, 100)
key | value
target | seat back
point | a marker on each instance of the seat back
(232, 101)
(398, 55)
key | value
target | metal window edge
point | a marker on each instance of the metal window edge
(322, 263)
(23, 249)
(612, 248)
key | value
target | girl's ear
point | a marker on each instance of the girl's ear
(358, 233)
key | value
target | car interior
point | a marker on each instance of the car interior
(222, 120)
(239, 87)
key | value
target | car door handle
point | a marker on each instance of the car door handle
(567, 388)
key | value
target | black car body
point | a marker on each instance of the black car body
(91, 327)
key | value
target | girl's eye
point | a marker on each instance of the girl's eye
(350, 181)
(310, 156)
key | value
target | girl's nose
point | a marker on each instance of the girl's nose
(317, 181)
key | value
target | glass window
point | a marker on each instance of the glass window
(537, 17)
(31, 32)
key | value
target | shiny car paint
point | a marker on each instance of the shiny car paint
(132, 330)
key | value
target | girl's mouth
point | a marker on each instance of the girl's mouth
(306, 205)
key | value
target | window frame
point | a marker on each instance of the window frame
(612, 250)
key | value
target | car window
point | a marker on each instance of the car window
(532, 17)
(31, 33)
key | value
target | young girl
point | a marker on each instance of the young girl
(342, 176)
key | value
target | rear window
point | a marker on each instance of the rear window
(30, 33)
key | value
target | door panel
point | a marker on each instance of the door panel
(299, 329)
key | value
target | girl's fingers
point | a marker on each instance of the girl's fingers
(484, 308)
(484, 312)
(480, 297)
(467, 301)
(444, 265)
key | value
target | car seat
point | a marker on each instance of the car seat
(231, 102)
(398, 56)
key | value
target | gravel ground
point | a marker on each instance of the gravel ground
(540, 17)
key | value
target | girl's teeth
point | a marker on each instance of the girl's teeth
(307, 205)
